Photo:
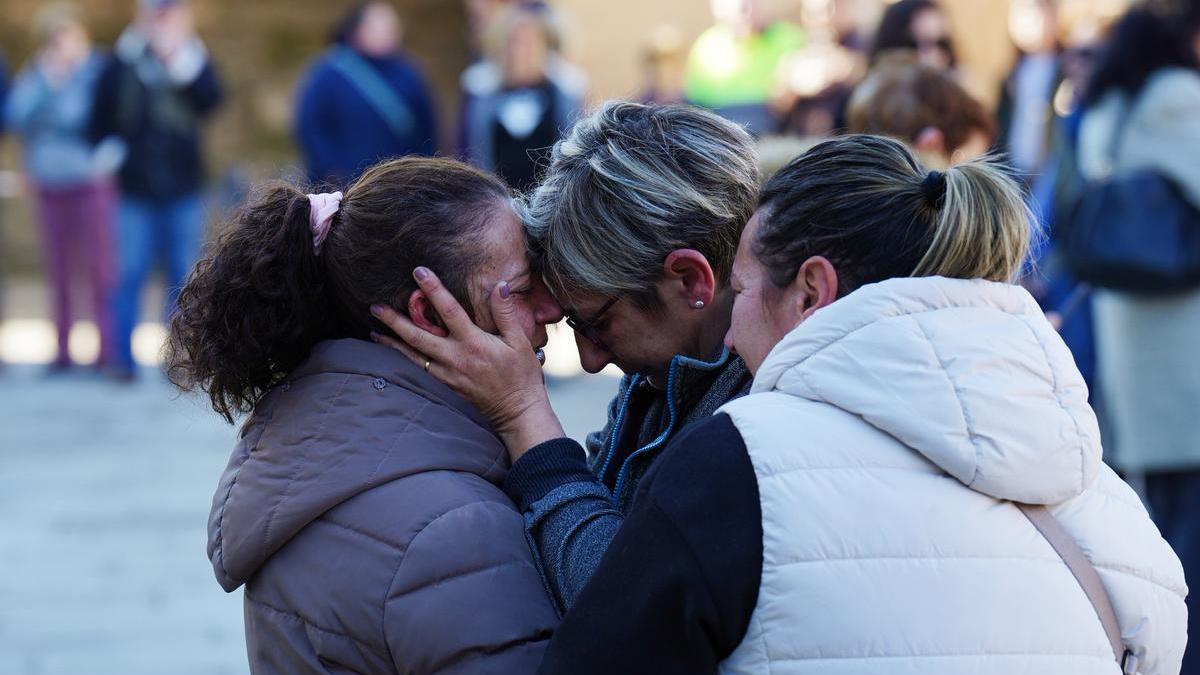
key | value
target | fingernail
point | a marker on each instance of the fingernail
(504, 290)
(376, 310)
(421, 273)
(374, 336)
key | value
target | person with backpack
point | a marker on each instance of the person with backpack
(363, 101)
(1142, 123)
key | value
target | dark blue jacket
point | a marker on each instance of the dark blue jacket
(157, 111)
(339, 129)
(3, 90)
(675, 589)
(573, 507)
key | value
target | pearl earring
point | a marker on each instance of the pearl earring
(699, 304)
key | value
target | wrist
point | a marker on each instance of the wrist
(536, 425)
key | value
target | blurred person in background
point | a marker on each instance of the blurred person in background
(917, 25)
(481, 15)
(361, 507)
(364, 100)
(923, 106)
(1026, 111)
(733, 68)
(49, 110)
(1142, 111)
(153, 98)
(663, 62)
(3, 250)
(519, 100)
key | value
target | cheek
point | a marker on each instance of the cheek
(746, 316)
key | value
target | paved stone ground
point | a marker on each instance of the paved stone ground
(104, 497)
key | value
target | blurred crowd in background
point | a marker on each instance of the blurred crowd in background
(112, 139)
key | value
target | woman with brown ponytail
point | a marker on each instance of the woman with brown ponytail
(361, 507)
(914, 482)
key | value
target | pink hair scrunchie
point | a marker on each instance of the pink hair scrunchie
(320, 216)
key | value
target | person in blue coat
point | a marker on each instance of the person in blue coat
(363, 100)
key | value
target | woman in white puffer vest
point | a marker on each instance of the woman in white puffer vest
(892, 424)
(906, 397)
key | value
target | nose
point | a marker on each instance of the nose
(592, 358)
(729, 341)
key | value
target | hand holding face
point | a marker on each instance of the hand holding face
(500, 374)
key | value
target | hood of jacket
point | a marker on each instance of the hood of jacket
(966, 372)
(355, 415)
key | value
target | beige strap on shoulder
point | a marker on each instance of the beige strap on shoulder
(1087, 576)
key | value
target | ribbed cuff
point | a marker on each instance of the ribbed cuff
(545, 467)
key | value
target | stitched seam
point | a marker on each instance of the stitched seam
(395, 443)
(962, 406)
(915, 558)
(978, 655)
(400, 566)
(287, 488)
(375, 538)
(899, 315)
(296, 617)
(783, 472)
(1058, 399)
(499, 459)
(1112, 567)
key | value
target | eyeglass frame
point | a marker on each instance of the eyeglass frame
(588, 328)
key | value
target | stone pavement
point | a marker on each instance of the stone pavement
(104, 498)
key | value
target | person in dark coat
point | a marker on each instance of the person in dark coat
(362, 509)
(153, 99)
(520, 100)
(363, 100)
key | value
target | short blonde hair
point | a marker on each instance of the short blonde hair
(632, 182)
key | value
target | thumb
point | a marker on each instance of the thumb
(505, 316)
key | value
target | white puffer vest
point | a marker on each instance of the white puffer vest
(888, 433)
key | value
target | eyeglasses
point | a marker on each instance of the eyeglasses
(588, 328)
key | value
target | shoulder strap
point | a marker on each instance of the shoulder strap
(375, 89)
(1087, 576)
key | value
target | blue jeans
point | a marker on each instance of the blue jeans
(166, 231)
(1174, 500)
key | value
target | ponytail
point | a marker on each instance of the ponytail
(253, 306)
(262, 296)
(866, 204)
(982, 227)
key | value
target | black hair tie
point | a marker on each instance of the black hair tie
(933, 188)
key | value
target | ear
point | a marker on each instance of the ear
(422, 313)
(688, 277)
(930, 141)
(816, 286)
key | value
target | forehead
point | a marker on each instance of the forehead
(503, 241)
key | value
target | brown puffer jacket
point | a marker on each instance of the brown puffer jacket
(362, 511)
